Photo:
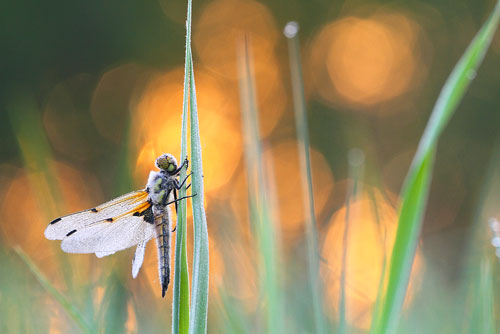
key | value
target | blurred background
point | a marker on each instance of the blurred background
(91, 94)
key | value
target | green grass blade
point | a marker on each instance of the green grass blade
(60, 298)
(35, 150)
(180, 303)
(290, 31)
(114, 306)
(416, 186)
(486, 300)
(258, 195)
(410, 217)
(456, 85)
(356, 160)
(199, 300)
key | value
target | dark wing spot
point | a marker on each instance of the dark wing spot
(109, 219)
(93, 210)
(148, 214)
(70, 233)
(55, 221)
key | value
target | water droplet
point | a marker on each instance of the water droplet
(495, 242)
(291, 29)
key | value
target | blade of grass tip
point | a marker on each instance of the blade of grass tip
(415, 189)
(291, 30)
(356, 159)
(458, 82)
(199, 288)
(71, 309)
(258, 194)
(180, 301)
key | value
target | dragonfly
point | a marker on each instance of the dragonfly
(129, 220)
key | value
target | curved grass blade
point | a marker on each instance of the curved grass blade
(415, 190)
(60, 298)
(180, 303)
(199, 288)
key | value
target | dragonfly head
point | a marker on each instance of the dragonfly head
(167, 163)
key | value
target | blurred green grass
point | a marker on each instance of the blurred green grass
(283, 290)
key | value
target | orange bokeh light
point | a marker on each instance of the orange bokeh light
(29, 204)
(361, 61)
(68, 126)
(223, 23)
(219, 30)
(157, 127)
(110, 106)
(286, 185)
(241, 279)
(287, 178)
(371, 235)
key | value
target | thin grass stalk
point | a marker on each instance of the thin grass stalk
(35, 150)
(71, 309)
(36, 153)
(383, 241)
(199, 300)
(115, 305)
(486, 297)
(355, 162)
(291, 31)
(234, 319)
(483, 252)
(180, 300)
(416, 186)
(258, 194)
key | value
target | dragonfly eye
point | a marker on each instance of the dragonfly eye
(166, 162)
(171, 167)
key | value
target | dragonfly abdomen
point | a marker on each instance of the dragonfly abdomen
(162, 228)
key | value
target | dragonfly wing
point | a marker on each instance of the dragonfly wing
(106, 238)
(138, 258)
(103, 254)
(62, 227)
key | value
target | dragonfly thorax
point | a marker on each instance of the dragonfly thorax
(160, 186)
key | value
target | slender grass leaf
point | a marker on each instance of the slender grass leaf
(410, 217)
(416, 186)
(115, 305)
(71, 309)
(36, 153)
(456, 85)
(356, 160)
(199, 300)
(180, 304)
(290, 31)
(35, 150)
(258, 195)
